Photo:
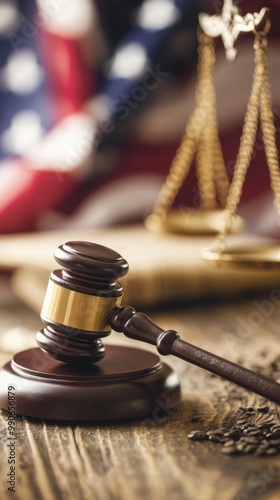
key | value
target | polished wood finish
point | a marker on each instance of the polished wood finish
(138, 326)
(124, 385)
(89, 273)
(85, 266)
(60, 380)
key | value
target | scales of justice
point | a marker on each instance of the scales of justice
(219, 198)
(71, 376)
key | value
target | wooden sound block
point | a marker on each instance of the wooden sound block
(127, 383)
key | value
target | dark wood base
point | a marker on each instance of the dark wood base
(127, 383)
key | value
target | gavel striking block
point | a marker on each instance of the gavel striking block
(71, 376)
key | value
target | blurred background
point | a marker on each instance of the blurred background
(94, 98)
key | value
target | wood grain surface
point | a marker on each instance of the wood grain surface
(153, 459)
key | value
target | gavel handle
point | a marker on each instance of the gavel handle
(138, 326)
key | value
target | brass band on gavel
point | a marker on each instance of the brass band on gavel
(77, 310)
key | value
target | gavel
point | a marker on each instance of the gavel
(85, 297)
(81, 306)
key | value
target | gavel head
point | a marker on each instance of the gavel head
(78, 301)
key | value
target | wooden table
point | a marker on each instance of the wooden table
(152, 459)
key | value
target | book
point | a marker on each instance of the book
(165, 268)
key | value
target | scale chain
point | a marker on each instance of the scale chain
(247, 141)
(201, 139)
(269, 138)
